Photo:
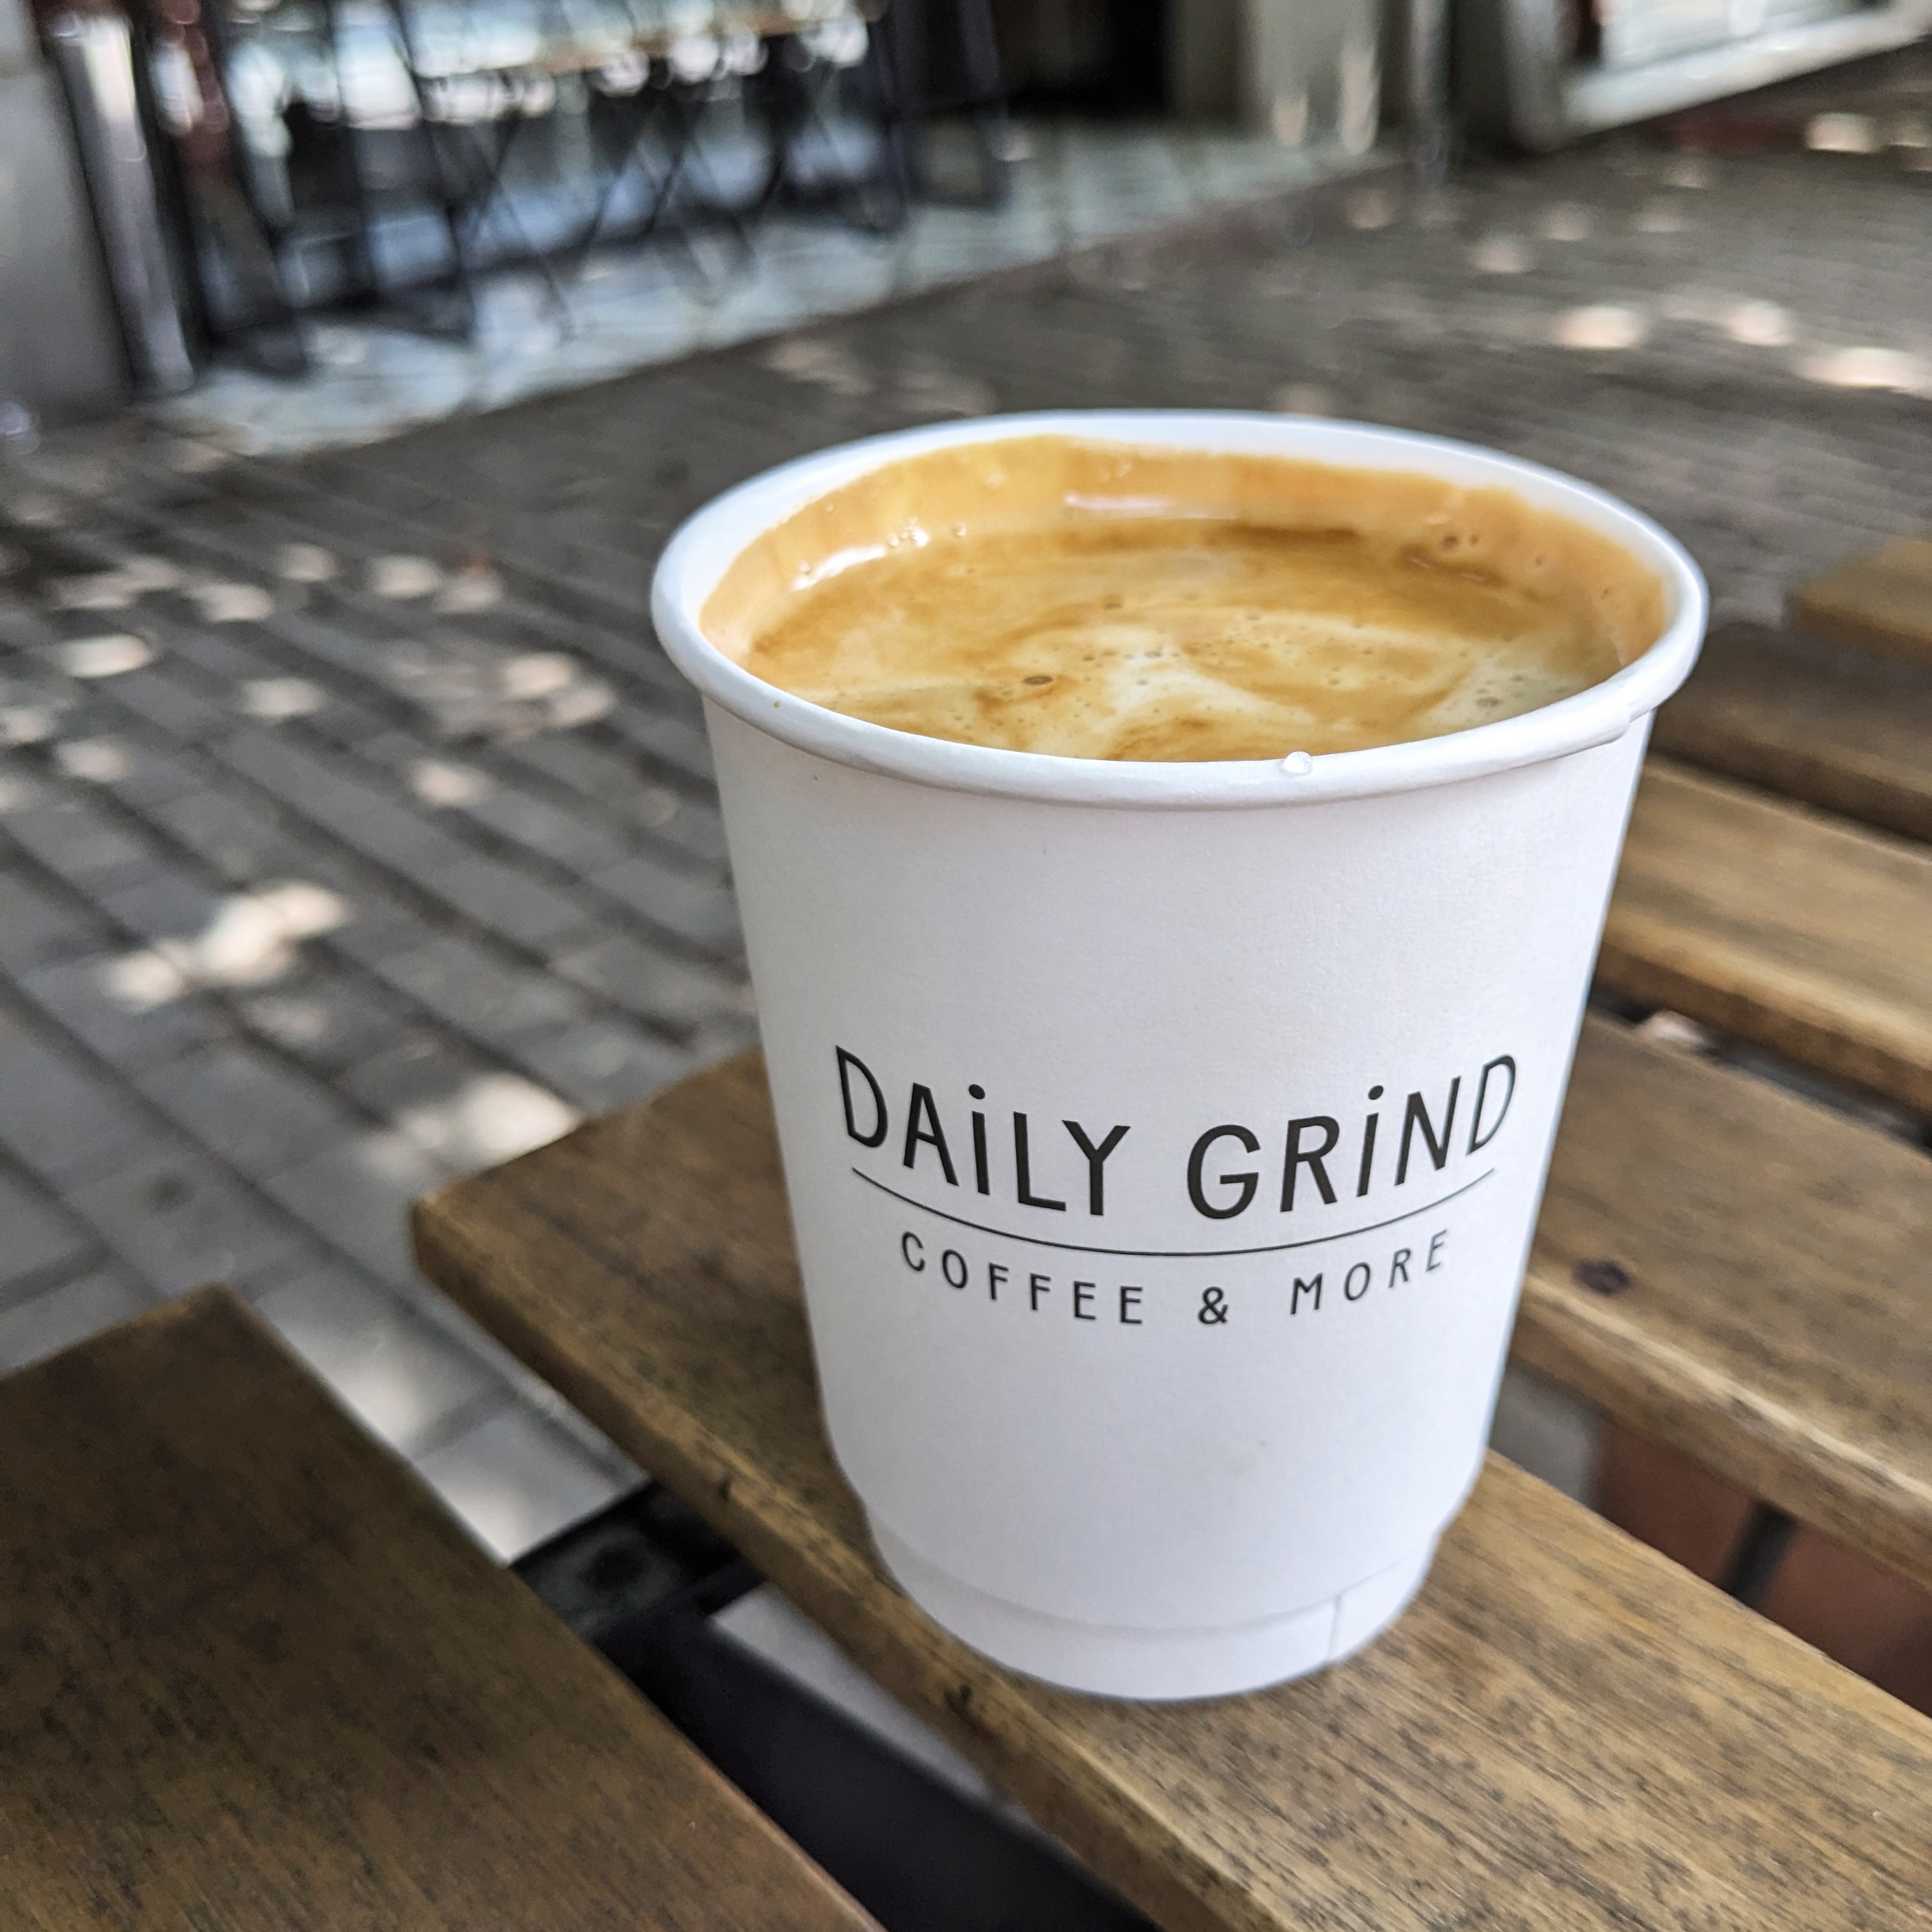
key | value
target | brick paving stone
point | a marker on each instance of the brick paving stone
(126, 1006)
(679, 743)
(567, 838)
(558, 833)
(597, 1064)
(38, 928)
(383, 914)
(166, 902)
(180, 1219)
(622, 647)
(246, 1106)
(324, 1017)
(488, 1116)
(478, 993)
(28, 633)
(183, 714)
(611, 779)
(65, 1120)
(502, 899)
(355, 1196)
(515, 1479)
(405, 1382)
(74, 839)
(44, 1244)
(380, 926)
(668, 992)
(442, 1315)
(361, 810)
(576, 837)
(377, 742)
(140, 775)
(63, 1316)
(343, 803)
(213, 651)
(415, 1069)
(236, 841)
(700, 909)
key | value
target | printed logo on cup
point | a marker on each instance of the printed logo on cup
(979, 1182)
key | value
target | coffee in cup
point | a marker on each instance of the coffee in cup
(1081, 600)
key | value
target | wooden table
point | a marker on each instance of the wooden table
(1567, 1730)
(254, 1679)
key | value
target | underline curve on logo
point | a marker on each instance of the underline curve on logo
(1175, 1254)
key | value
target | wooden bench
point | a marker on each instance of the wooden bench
(1778, 924)
(1807, 934)
(1790, 1319)
(1731, 1269)
(1881, 601)
(253, 1678)
(1566, 1731)
(1817, 722)
(1742, 1273)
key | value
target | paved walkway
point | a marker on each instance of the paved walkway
(354, 833)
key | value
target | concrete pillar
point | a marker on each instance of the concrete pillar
(1304, 70)
(60, 349)
(1204, 58)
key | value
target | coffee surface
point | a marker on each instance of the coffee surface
(1096, 601)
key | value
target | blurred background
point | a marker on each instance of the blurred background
(356, 357)
(412, 206)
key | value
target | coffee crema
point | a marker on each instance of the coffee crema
(1107, 601)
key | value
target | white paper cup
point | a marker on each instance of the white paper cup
(1147, 1420)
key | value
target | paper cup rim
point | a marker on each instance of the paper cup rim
(707, 543)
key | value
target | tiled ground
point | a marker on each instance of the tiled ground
(1074, 183)
(1741, 345)
(353, 833)
(326, 900)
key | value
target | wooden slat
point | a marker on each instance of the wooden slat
(253, 1678)
(1829, 726)
(1780, 925)
(1777, 1324)
(1880, 601)
(1565, 1732)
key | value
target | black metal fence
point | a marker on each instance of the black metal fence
(313, 155)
